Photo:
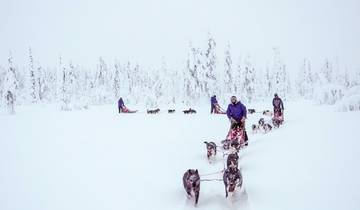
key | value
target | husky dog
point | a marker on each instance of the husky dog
(268, 113)
(235, 146)
(154, 111)
(251, 111)
(191, 181)
(262, 126)
(267, 127)
(171, 111)
(255, 128)
(211, 149)
(232, 178)
(232, 160)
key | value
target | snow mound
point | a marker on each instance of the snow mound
(329, 94)
(351, 100)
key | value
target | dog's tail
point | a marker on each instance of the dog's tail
(205, 142)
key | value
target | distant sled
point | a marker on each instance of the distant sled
(190, 111)
(126, 110)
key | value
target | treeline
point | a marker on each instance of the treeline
(202, 75)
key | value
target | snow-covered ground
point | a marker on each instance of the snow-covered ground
(98, 159)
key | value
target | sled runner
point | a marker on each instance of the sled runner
(126, 110)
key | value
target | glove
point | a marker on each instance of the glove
(243, 120)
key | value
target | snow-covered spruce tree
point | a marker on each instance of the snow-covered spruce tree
(355, 78)
(164, 91)
(326, 73)
(116, 79)
(259, 85)
(41, 83)
(268, 82)
(88, 86)
(249, 81)
(347, 82)
(176, 90)
(51, 86)
(157, 89)
(239, 80)
(192, 82)
(3, 72)
(64, 88)
(304, 81)
(137, 84)
(209, 80)
(33, 84)
(10, 87)
(329, 88)
(188, 87)
(125, 85)
(103, 86)
(73, 87)
(278, 70)
(229, 85)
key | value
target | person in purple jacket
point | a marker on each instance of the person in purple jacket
(122, 108)
(121, 105)
(236, 113)
(214, 103)
(215, 107)
(278, 104)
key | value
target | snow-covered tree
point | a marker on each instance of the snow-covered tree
(326, 73)
(10, 86)
(210, 80)
(34, 82)
(305, 80)
(192, 80)
(249, 81)
(64, 88)
(228, 79)
(116, 79)
(278, 70)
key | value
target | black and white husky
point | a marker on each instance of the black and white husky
(211, 150)
(232, 180)
(191, 181)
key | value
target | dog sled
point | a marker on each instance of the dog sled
(219, 110)
(126, 110)
(278, 118)
(235, 138)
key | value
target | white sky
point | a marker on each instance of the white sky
(148, 30)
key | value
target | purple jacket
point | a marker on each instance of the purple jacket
(277, 103)
(120, 103)
(213, 101)
(236, 111)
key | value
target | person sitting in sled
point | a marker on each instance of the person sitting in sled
(215, 107)
(278, 105)
(236, 113)
(122, 108)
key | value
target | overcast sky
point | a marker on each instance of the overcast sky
(148, 30)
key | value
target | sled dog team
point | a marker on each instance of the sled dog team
(236, 139)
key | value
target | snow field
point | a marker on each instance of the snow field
(98, 159)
